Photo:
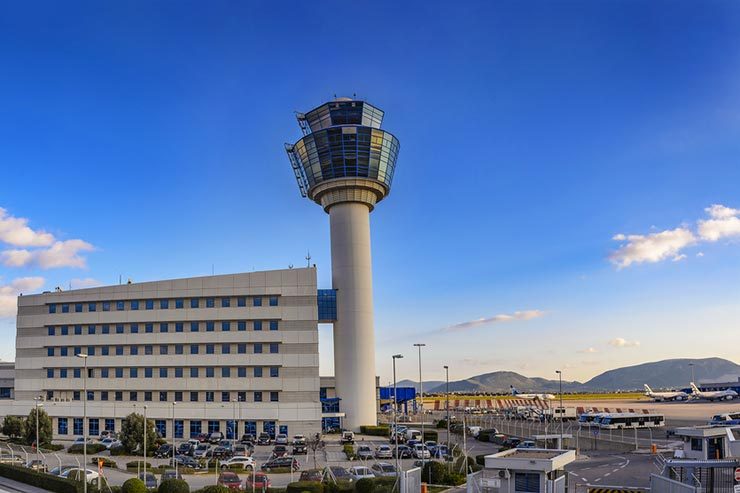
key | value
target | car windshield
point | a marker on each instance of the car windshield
(387, 468)
(229, 478)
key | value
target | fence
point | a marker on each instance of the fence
(411, 481)
(661, 484)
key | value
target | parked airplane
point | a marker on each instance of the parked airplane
(543, 397)
(714, 395)
(666, 396)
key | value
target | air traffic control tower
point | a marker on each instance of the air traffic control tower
(345, 163)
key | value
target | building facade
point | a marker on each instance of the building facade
(231, 353)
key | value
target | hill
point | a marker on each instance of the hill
(501, 382)
(428, 384)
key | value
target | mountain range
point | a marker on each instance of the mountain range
(666, 374)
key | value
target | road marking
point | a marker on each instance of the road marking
(605, 475)
(582, 479)
(597, 480)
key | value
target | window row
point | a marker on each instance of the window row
(194, 396)
(163, 372)
(163, 349)
(162, 327)
(162, 304)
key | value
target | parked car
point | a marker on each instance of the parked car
(81, 440)
(185, 448)
(202, 437)
(339, 473)
(281, 439)
(247, 438)
(365, 452)
(384, 469)
(384, 452)
(264, 439)
(278, 462)
(220, 452)
(316, 475)
(36, 465)
(347, 437)
(279, 451)
(171, 474)
(241, 449)
(421, 452)
(163, 451)
(360, 472)
(431, 446)
(215, 437)
(230, 480)
(58, 471)
(75, 472)
(185, 461)
(110, 443)
(300, 448)
(241, 461)
(261, 481)
(441, 452)
(150, 481)
(403, 452)
(510, 443)
(201, 451)
(527, 444)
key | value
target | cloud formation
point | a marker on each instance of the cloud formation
(503, 317)
(623, 343)
(15, 231)
(723, 222)
(10, 292)
(59, 254)
(588, 350)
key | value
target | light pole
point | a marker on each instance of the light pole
(447, 407)
(145, 430)
(395, 414)
(174, 462)
(84, 423)
(233, 427)
(562, 411)
(421, 394)
(38, 403)
(692, 373)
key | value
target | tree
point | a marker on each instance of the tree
(132, 434)
(13, 426)
(133, 485)
(314, 444)
(29, 428)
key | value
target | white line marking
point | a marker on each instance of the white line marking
(605, 475)
(597, 480)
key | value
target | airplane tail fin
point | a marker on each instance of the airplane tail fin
(694, 388)
(513, 390)
(648, 389)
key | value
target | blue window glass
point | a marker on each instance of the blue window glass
(213, 426)
(78, 330)
(193, 326)
(91, 329)
(178, 396)
(225, 348)
(78, 307)
(242, 301)
(110, 425)
(226, 397)
(119, 330)
(179, 304)
(52, 330)
(148, 349)
(93, 427)
(257, 324)
(225, 302)
(134, 350)
(90, 395)
(241, 348)
(62, 373)
(193, 349)
(105, 329)
(104, 372)
(76, 373)
(119, 372)
(179, 427)
(209, 372)
(163, 328)
(274, 397)
(327, 304)
(194, 303)
(241, 326)
(178, 327)
(119, 352)
(274, 347)
(209, 396)
(195, 426)
(193, 372)
(106, 306)
(52, 308)
(210, 303)
(62, 425)
(257, 301)
(63, 351)
(65, 330)
(148, 396)
(134, 304)
(91, 350)
(77, 350)
(164, 304)
(210, 326)
(257, 347)
(65, 308)
(149, 304)
(241, 372)
(178, 372)
(210, 349)
(149, 328)
(225, 326)
(92, 307)
(163, 349)
(134, 328)
(274, 371)
(161, 426)
(120, 305)
(77, 426)
(133, 396)
(258, 397)
(273, 301)
(50, 351)
(258, 372)
(147, 373)
(133, 372)
(225, 371)
(179, 349)
(50, 373)
(273, 325)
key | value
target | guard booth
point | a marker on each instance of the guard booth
(523, 471)
(709, 442)
(552, 441)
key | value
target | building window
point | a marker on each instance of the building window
(274, 397)
(241, 372)
(258, 372)
(147, 396)
(106, 306)
(133, 372)
(76, 395)
(134, 328)
(225, 326)
(52, 330)
(78, 307)
(62, 426)
(257, 301)
(210, 303)
(178, 396)
(179, 428)
(273, 325)
(76, 372)
(119, 395)
(194, 398)
(193, 349)
(258, 397)
(161, 426)
(105, 329)
(149, 304)
(149, 328)
(193, 326)
(179, 349)
(225, 396)
(209, 372)
(50, 373)
(91, 350)
(274, 347)
(179, 304)
(134, 350)
(241, 301)
(50, 351)
(163, 327)
(257, 324)
(274, 371)
(134, 304)
(63, 351)
(49, 395)
(133, 396)
(120, 306)
(225, 348)
(65, 330)
(77, 426)
(210, 349)
(257, 348)
(241, 326)
(210, 326)
(148, 350)
(225, 372)
(696, 444)
(178, 327)
(110, 424)
(104, 395)
(119, 372)
(52, 308)
(225, 302)
(209, 396)
(91, 329)
(90, 395)
(241, 396)
(193, 372)
(65, 308)
(195, 426)
(273, 301)
(178, 372)
(214, 426)
(119, 350)
(241, 348)
(119, 329)
(104, 372)
(163, 373)
(164, 304)
(194, 303)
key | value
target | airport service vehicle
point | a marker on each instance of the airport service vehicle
(280, 462)
(618, 421)
(264, 439)
(588, 419)
(558, 413)
(347, 437)
(413, 434)
(171, 474)
(365, 452)
(725, 419)
(237, 461)
(150, 481)
(542, 397)
(421, 452)
(712, 395)
(230, 480)
(360, 472)
(258, 481)
(474, 431)
(281, 439)
(384, 452)
(527, 444)
(677, 395)
(384, 470)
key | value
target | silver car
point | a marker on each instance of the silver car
(384, 470)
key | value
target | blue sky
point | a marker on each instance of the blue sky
(532, 134)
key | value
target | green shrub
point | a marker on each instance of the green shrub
(364, 485)
(214, 488)
(456, 478)
(107, 462)
(441, 424)
(38, 479)
(133, 485)
(339, 487)
(381, 430)
(275, 490)
(302, 486)
(119, 451)
(97, 485)
(434, 472)
(349, 451)
(52, 447)
(92, 448)
(173, 486)
(138, 464)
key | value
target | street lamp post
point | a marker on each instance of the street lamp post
(562, 411)
(692, 373)
(174, 462)
(145, 433)
(447, 407)
(421, 394)
(38, 403)
(233, 427)
(395, 413)
(84, 423)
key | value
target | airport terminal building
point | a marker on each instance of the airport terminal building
(234, 353)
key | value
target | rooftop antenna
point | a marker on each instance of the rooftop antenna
(308, 258)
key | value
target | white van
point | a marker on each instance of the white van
(413, 434)
(474, 431)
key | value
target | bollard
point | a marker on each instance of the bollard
(423, 488)
(653, 449)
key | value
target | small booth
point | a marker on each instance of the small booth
(525, 471)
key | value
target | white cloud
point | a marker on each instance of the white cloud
(59, 254)
(87, 282)
(503, 317)
(15, 231)
(621, 342)
(10, 292)
(589, 350)
(724, 223)
(653, 247)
